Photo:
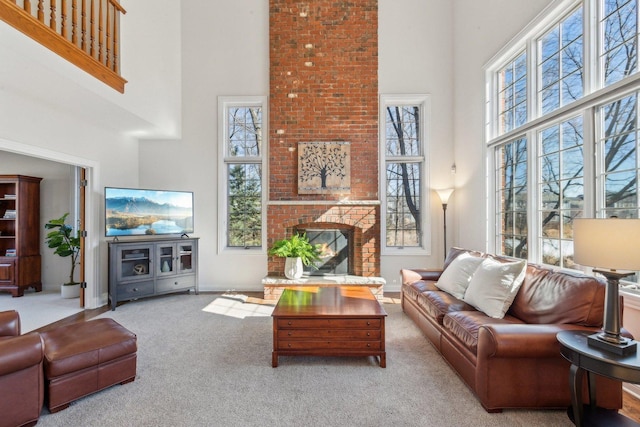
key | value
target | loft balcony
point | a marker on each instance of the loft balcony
(84, 32)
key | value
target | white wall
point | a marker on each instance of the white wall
(481, 28)
(416, 56)
(225, 51)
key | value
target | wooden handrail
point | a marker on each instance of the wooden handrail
(55, 25)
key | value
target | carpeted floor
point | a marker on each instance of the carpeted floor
(205, 360)
(38, 309)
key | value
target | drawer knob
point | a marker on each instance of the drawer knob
(289, 334)
(289, 322)
(368, 323)
(368, 334)
(368, 345)
(135, 289)
(288, 345)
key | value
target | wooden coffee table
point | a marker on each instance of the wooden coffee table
(328, 321)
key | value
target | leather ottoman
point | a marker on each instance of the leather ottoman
(82, 358)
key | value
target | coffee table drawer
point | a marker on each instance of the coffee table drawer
(298, 323)
(352, 345)
(367, 334)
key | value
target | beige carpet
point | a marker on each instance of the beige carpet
(38, 309)
(205, 360)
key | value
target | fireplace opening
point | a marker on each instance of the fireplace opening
(336, 257)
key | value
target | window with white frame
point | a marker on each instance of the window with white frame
(575, 154)
(242, 124)
(512, 94)
(560, 63)
(560, 189)
(511, 197)
(403, 130)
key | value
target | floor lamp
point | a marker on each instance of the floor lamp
(613, 243)
(444, 198)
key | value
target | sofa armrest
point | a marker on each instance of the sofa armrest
(9, 323)
(21, 352)
(521, 340)
(411, 275)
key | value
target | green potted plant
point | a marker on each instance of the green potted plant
(65, 245)
(298, 251)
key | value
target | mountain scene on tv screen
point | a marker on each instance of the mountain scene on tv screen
(141, 215)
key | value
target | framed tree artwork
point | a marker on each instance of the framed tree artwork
(324, 167)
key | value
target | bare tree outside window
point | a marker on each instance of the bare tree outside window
(403, 153)
(512, 195)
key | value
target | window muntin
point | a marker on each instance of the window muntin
(619, 26)
(561, 63)
(512, 94)
(619, 142)
(511, 194)
(561, 189)
(403, 174)
(242, 172)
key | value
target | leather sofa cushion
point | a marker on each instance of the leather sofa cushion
(82, 345)
(548, 296)
(438, 303)
(412, 290)
(464, 325)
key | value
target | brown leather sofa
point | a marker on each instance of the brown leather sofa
(21, 373)
(515, 361)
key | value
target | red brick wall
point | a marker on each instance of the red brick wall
(323, 88)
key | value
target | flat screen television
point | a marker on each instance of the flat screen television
(136, 212)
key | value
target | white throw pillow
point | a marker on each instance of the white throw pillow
(455, 278)
(494, 286)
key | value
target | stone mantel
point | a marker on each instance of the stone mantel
(274, 285)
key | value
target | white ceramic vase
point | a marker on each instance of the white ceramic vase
(293, 268)
(70, 291)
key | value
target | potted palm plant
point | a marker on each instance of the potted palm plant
(64, 244)
(298, 251)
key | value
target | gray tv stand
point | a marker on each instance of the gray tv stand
(143, 268)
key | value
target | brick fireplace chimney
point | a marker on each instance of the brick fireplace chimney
(324, 89)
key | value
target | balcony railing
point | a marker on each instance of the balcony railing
(84, 32)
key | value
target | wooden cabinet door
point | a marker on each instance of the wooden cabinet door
(7, 271)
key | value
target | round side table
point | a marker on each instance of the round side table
(574, 348)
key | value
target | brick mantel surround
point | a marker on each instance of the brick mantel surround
(324, 88)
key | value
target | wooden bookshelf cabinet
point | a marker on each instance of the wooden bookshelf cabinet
(20, 260)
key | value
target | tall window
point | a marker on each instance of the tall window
(511, 197)
(578, 147)
(619, 142)
(403, 133)
(619, 22)
(561, 62)
(512, 94)
(561, 189)
(242, 126)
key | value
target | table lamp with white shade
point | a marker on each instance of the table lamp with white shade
(610, 244)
